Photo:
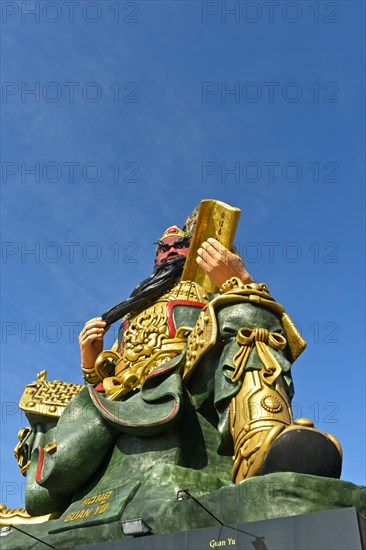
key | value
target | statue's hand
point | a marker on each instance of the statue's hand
(91, 341)
(220, 264)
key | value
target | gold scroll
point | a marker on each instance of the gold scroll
(215, 219)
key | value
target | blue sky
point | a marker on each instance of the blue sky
(139, 111)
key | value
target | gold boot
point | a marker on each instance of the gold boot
(265, 437)
(261, 410)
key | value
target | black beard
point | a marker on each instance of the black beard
(161, 279)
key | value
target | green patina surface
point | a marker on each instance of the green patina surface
(128, 459)
(271, 496)
(166, 422)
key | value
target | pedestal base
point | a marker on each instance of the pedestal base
(289, 510)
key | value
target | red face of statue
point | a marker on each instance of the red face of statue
(171, 247)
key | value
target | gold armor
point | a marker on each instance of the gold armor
(261, 409)
(150, 340)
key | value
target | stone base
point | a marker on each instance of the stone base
(278, 495)
(337, 530)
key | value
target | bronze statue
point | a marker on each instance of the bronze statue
(196, 390)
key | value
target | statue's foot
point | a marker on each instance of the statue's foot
(303, 449)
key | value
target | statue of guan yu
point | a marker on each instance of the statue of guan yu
(195, 395)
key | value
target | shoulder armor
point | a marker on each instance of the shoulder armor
(204, 335)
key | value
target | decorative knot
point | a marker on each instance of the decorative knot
(262, 339)
(246, 336)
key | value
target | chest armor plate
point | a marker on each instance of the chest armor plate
(153, 337)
